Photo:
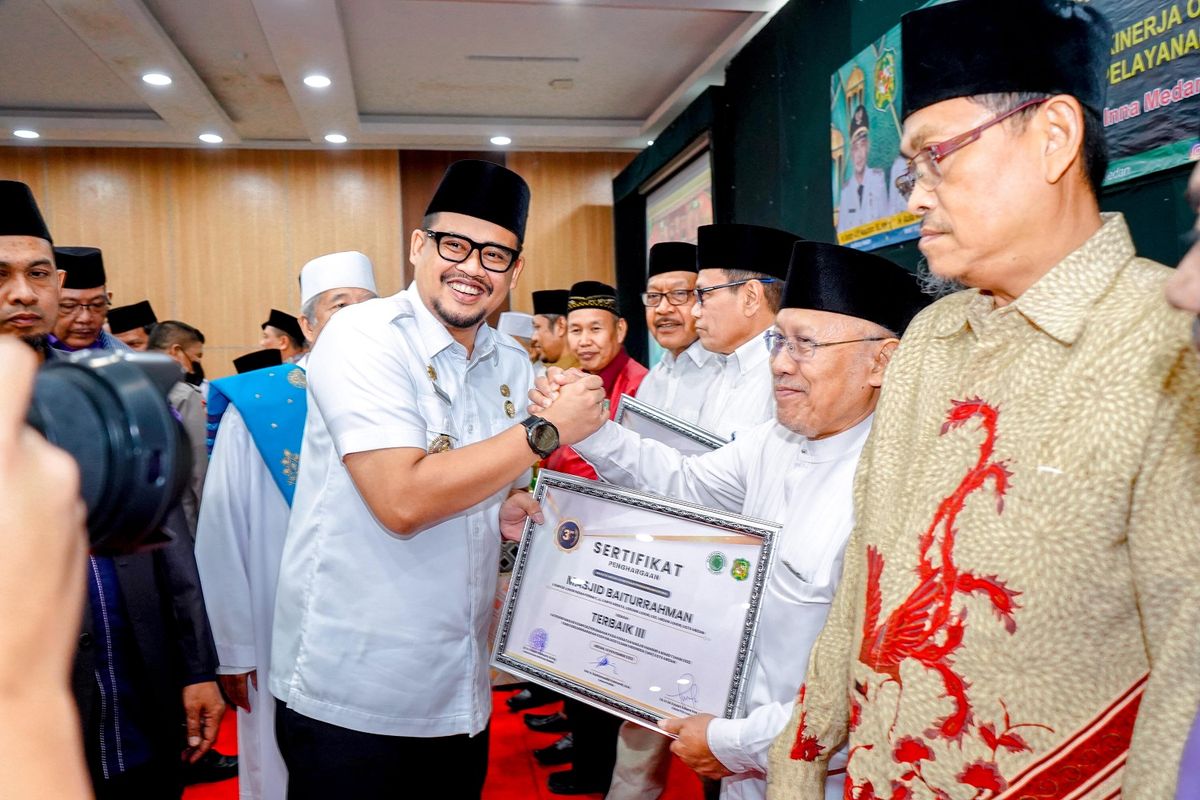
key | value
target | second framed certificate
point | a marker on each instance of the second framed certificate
(654, 423)
(641, 605)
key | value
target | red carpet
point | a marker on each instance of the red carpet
(513, 773)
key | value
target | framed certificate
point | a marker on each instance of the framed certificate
(643, 606)
(654, 423)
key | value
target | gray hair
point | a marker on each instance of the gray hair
(935, 285)
(309, 309)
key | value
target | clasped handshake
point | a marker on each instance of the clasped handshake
(572, 400)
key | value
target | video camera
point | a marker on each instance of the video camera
(109, 411)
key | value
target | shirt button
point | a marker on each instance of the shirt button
(85, 640)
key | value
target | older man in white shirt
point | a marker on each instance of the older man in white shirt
(680, 380)
(244, 516)
(741, 272)
(841, 317)
(379, 649)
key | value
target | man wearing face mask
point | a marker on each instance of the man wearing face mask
(185, 345)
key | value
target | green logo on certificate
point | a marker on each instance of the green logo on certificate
(568, 535)
(740, 570)
(716, 562)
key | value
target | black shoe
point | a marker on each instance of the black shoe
(548, 723)
(569, 782)
(211, 767)
(561, 752)
(530, 698)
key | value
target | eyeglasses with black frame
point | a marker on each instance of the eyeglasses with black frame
(456, 248)
(699, 293)
(69, 307)
(923, 169)
(801, 348)
(675, 297)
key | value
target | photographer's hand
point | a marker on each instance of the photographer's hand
(42, 582)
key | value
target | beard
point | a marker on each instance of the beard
(935, 285)
(460, 321)
(40, 342)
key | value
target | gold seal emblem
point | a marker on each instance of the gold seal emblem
(297, 378)
(440, 444)
(504, 390)
(510, 409)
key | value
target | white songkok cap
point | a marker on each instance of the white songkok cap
(349, 270)
(515, 323)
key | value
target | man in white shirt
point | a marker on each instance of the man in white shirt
(741, 272)
(679, 382)
(841, 317)
(379, 648)
(244, 516)
(864, 196)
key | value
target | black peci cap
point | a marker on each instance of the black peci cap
(485, 191)
(84, 267)
(671, 257)
(259, 359)
(842, 280)
(973, 47)
(748, 247)
(19, 213)
(551, 301)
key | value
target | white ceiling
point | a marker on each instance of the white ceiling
(550, 74)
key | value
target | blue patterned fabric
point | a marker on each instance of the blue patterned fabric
(273, 403)
(124, 742)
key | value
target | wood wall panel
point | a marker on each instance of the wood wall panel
(233, 256)
(216, 237)
(570, 232)
(354, 196)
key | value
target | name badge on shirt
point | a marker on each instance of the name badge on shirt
(440, 444)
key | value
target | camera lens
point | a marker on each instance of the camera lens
(109, 411)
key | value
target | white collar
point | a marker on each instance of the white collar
(434, 335)
(751, 354)
(831, 448)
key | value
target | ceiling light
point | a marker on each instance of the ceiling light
(157, 79)
(25, 133)
(335, 138)
(649, 142)
(501, 140)
(317, 81)
(210, 138)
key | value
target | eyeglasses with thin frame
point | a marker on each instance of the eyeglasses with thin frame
(699, 293)
(675, 297)
(802, 349)
(68, 307)
(456, 248)
(923, 169)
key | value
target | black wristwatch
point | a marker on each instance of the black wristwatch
(541, 435)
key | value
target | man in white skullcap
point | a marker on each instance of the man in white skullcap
(519, 325)
(256, 424)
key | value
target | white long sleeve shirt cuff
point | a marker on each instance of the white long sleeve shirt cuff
(742, 744)
(224, 670)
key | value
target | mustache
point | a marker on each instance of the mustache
(458, 274)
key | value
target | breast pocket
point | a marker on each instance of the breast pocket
(440, 431)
